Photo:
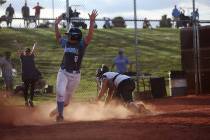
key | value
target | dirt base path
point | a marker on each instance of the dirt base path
(180, 118)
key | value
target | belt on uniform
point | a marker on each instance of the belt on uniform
(73, 71)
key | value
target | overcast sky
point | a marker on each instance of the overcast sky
(152, 9)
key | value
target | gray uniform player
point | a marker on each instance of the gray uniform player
(6, 69)
(68, 77)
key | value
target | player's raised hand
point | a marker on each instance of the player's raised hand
(93, 15)
(35, 44)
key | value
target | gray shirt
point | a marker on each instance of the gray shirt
(6, 67)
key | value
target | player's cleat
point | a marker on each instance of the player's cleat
(53, 113)
(59, 118)
(138, 108)
(31, 103)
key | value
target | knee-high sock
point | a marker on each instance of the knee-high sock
(60, 107)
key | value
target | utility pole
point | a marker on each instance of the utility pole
(67, 14)
(196, 46)
(53, 9)
(136, 48)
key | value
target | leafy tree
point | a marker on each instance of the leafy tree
(2, 2)
(118, 22)
(165, 22)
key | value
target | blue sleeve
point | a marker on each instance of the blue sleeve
(63, 42)
(114, 60)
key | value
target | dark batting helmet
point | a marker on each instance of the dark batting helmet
(101, 71)
(74, 34)
(27, 50)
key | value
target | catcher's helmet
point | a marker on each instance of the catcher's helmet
(74, 34)
(101, 71)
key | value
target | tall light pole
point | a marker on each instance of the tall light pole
(53, 8)
(67, 13)
(196, 46)
(136, 48)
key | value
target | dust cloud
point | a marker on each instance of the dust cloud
(85, 111)
(94, 112)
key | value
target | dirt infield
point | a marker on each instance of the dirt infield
(177, 118)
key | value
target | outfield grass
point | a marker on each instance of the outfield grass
(159, 52)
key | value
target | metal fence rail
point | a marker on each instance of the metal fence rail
(108, 47)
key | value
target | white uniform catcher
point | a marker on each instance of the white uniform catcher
(118, 87)
(68, 77)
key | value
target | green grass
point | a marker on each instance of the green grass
(159, 52)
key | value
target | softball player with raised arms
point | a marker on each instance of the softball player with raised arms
(68, 77)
